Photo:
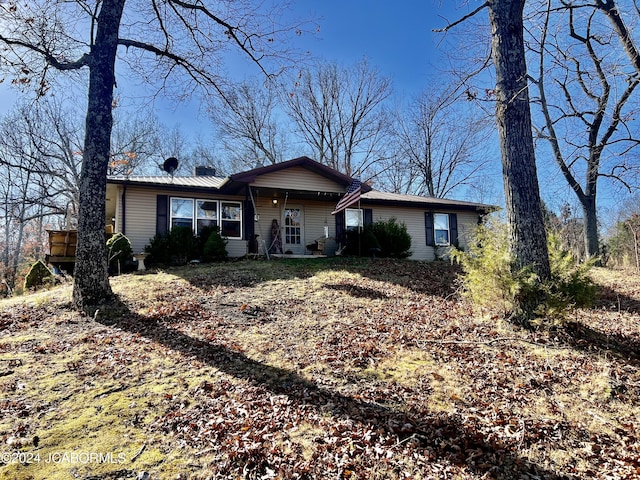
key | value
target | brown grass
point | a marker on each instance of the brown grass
(320, 369)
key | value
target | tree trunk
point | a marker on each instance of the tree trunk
(528, 237)
(4, 262)
(91, 279)
(592, 245)
(17, 250)
(636, 249)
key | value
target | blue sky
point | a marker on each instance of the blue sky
(397, 39)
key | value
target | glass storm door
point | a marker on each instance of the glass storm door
(293, 230)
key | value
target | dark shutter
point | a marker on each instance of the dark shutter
(368, 216)
(453, 229)
(428, 225)
(162, 214)
(249, 221)
(340, 227)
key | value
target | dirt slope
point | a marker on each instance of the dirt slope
(321, 369)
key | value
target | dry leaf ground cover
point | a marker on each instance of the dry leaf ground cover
(331, 368)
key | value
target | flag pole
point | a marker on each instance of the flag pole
(360, 229)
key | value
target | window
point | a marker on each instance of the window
(181, 212)
(441, 228)
(231, 219)
(353, 218)
(206, 214)
(293, 226)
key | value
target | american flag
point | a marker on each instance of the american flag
(352, 196)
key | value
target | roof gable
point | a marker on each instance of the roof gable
(304, 162)
(298, 178)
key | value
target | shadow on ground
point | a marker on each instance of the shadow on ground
(585, 338)
(357, 291)
(431, 278)
(492, 459)
(611, 299)
(588, 339)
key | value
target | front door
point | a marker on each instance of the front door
(293, 234)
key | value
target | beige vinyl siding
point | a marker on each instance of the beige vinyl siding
(467, 225)
(298, 178)
(414, 219)
(315, 216)
(318, 214)
(141, 217)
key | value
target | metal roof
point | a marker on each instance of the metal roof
(387, 197)
(231, 185)
(197, 182)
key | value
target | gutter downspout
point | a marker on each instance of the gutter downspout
(124, 209)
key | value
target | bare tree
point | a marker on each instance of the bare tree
(203, 152)
(624, 33)
(339, 112)
(163, 39)
(584, 95)
(40, 141)
(191, 153)
(524, 207)
(26, 201)
(247, 120)
(569, 230)
(439, 143)
(12, 212)
(135, 144)
(623, 243)
(527, 234)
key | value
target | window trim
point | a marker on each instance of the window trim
(436, 230)
(239, 221)
(197, 217)
(171, 216)
(360, 219)
(219, 204)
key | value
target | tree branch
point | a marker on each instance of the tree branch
(83, 61)
(459, 21)
(231, 31)
(196, 73)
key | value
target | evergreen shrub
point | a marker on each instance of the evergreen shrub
(38, 276)
(180, 246)
(214, 248)
(490, 280)
(120, 253)
(381, 239)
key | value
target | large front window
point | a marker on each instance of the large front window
(206, 214)
(353, 218)
(231, 217)
(181, 212)
(441, 228)
(198, 214)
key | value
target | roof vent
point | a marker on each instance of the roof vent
(205, 172)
